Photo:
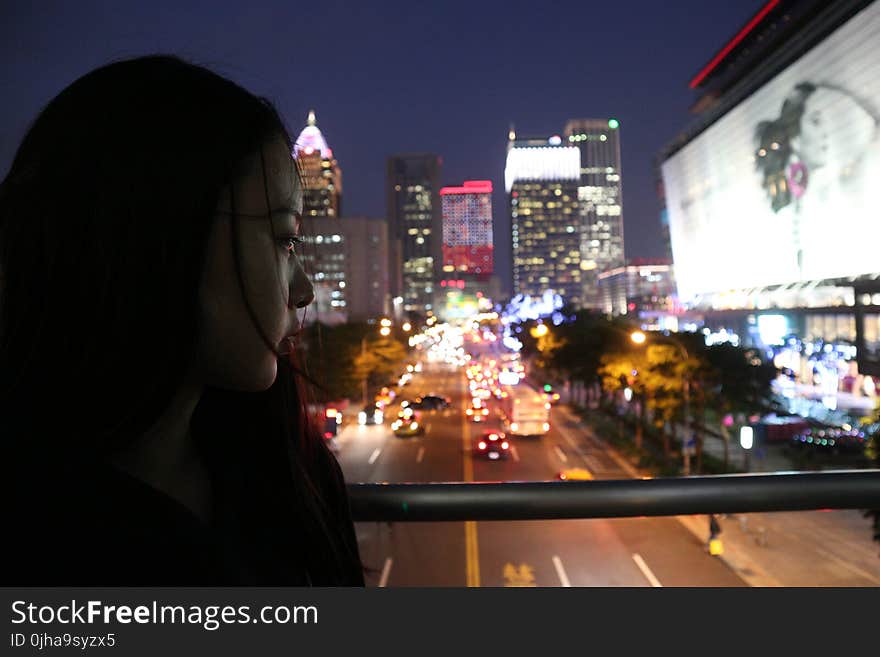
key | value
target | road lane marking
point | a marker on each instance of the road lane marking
(472, 552)
(420, 454)
(522, 576)
(560, 571)
(385, 571)
(514, 452)
(560, 454)
(647, 571)
(592, 464)
(374, 456)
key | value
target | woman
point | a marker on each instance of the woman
(150, 407)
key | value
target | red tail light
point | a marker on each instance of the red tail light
(327, 434)
(482, 445)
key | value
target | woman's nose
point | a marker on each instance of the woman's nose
(302, 293)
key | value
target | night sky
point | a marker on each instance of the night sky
(389, 77)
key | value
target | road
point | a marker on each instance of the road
(628, 552)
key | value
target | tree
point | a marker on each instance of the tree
(334, 357)
(379, 362)
(738, 383)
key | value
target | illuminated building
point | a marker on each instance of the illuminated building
(541, 177)
(600, 200)
(467, 263)
(321, 175)
(352, 282)
(770, 193)
(366, 267)
(414, 227)
(323, 252)
(642, 288)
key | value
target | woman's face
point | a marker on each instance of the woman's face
(267, 209)
(814, 141)
(835, 129)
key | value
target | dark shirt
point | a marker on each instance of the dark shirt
(88, 523)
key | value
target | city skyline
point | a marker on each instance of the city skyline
(391, 82)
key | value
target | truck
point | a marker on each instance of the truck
(524, 411)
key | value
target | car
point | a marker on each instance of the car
(478, 411)
(493, 445)
(574, 474)
(371, 414)
(431, 402)
(403, 428)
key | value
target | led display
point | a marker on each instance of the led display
(782, 188)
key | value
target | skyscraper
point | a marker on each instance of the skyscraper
(468, 250)
(414, 226)
(541, 177)
(467, 228)
(600, 200)
(366, 267)
(323, 252)
(322, 177)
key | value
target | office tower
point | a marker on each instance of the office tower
(642, 288)
(468, 249)
(366, 267)
(600, 200)
(414, 225)
(323, 251)
(321, 175)
(541, 177)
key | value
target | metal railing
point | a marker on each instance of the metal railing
(618, 498)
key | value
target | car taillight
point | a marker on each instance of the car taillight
(482, 445)
(504, 445)
(546, 426)
(327, 434)
(485, 411)
(470, 411)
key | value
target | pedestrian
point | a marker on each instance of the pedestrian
(714, 527)
(714, 543)
(152, 406)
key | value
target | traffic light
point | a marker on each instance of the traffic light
(548, 387)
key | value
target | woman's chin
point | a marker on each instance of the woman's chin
(257, 380)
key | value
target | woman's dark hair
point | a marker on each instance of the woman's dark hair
(105, 216)
(774, 148)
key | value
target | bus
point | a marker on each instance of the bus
(524, 412)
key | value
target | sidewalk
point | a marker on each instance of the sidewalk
(802, 548)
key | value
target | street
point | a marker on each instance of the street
(595, 552)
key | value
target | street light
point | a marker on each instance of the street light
(539, 331)
(746, 440)
(639, 338)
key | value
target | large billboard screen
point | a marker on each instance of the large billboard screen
(783, 188)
